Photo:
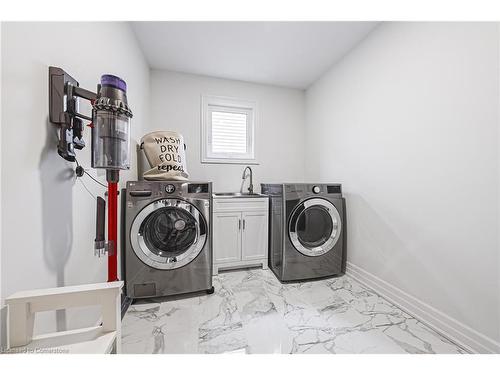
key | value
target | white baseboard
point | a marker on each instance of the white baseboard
(459, 333)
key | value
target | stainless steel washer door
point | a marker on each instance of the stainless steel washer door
(168, 233)
(315, 227)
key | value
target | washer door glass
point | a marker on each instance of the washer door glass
(315, 227)
(168, 233)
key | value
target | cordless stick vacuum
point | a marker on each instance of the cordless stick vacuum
(110, 124)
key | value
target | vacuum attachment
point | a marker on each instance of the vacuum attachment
(100, 227)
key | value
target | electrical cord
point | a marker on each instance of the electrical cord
(80, 171)
(87, 189)
(100, 183)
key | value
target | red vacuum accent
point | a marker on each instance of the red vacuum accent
(112, 231)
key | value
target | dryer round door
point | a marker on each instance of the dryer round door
(315, 227)
(168, 234)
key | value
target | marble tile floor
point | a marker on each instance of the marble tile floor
(252, 312)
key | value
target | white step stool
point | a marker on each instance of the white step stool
(105, 338)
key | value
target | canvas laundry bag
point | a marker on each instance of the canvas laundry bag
(166, 154)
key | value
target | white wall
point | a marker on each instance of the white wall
(408, 123)
(48, 220)
(176, 103)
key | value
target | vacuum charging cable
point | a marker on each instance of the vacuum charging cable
(80, 171)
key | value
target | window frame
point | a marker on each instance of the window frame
(209, 104)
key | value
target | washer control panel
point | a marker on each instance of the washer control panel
(146, 190)
(198, 188)
(169, 188)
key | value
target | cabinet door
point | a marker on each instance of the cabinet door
(227, 237)
(254, 232)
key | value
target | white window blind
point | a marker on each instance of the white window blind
(229, 132)
(228, 127)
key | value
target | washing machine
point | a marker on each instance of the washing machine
(307, 231)
(166, 238)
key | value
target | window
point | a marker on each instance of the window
(228, 130)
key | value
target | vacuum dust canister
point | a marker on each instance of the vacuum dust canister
(111, 125)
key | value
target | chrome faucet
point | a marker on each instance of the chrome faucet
(244, 177)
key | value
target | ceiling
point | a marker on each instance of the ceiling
(289, 54)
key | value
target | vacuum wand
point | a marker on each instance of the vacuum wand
(112, 176)
(112, 231)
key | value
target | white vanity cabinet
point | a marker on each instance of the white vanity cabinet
(240, 228)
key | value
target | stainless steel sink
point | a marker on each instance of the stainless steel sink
(238, 195)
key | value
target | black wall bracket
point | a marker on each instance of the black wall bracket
(64, 93)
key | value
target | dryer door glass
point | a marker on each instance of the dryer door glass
(315, 227)
(168, 233)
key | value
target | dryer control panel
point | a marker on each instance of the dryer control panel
(302, 189)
